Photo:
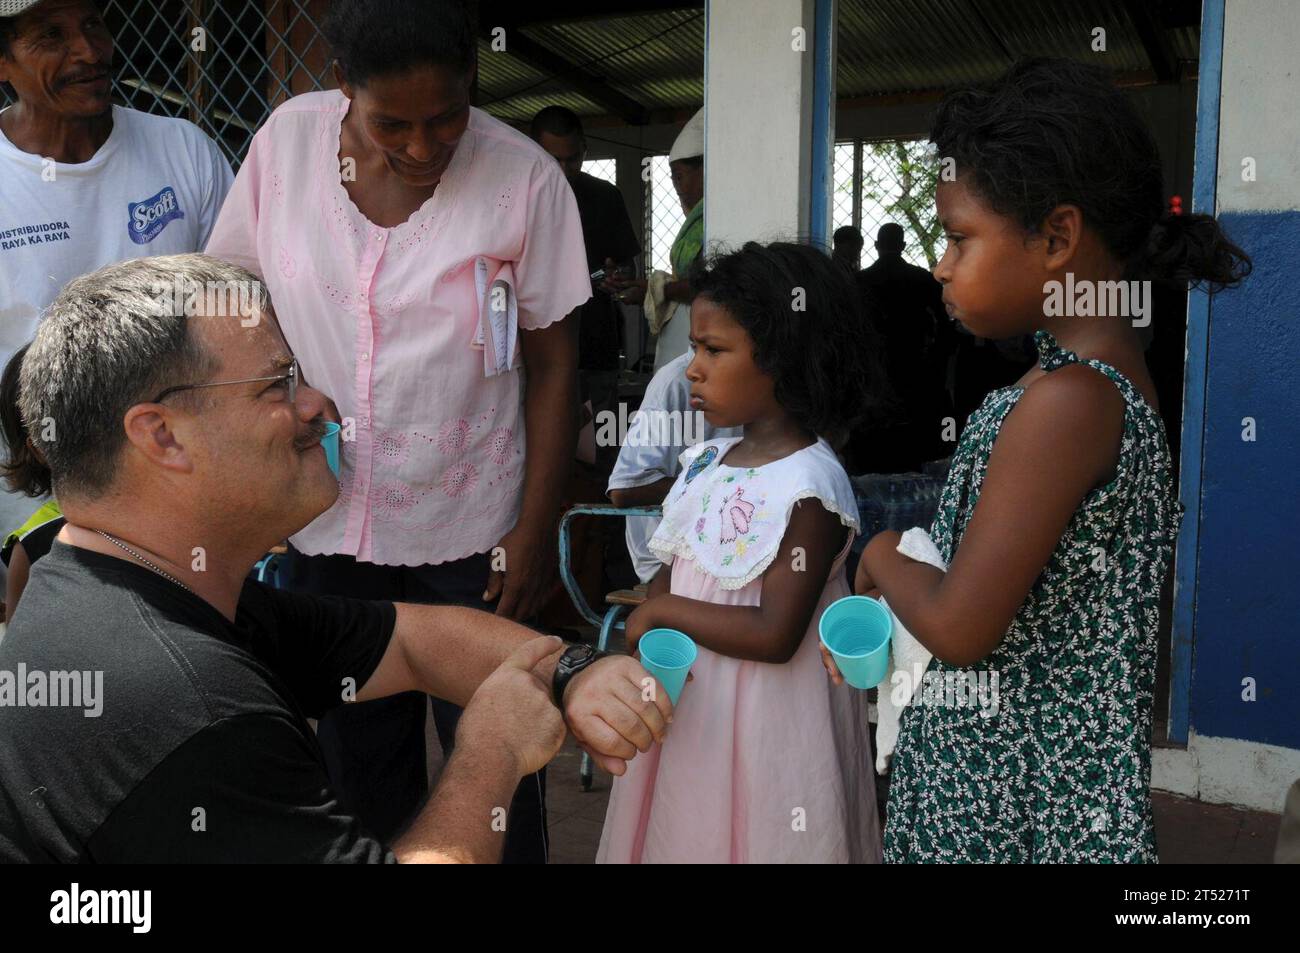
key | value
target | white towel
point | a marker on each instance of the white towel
(658, 309)
(908, 658)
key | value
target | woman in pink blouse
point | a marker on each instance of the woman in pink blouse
(421, 254)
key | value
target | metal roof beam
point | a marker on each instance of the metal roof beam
(529, 12)
(582, 81)
(1152, 34)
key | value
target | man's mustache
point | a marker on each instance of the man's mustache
(315, 433)
(94, 72)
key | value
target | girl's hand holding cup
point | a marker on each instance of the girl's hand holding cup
(637, 625)
(828, 662)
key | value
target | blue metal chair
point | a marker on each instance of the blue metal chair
(619, 602)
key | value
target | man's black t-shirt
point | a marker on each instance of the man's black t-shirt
(607, 233)
(200, 749)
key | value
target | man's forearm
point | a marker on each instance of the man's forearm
(449, 650)
(464, 820)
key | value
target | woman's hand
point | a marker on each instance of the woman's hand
(529, 559)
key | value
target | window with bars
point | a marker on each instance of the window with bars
(222, 64)
(889, 180)
(664, 215)
(602, 169)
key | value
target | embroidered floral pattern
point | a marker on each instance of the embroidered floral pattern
(341, 218)
(500, 445)
(392, 447)
(394, 305)
(453, 437)
(1061, 773)
(419, 233)
(459, 479)
(288, 267)
(393, 499)
(701, 463)
(338, 294)
(730, 521)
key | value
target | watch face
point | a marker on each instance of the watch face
(578, 654)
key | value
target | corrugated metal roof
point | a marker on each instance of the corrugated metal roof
(883, 47)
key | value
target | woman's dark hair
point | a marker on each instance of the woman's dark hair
(383, 37)
(24, 470)
(809, 324)
(1052, 132)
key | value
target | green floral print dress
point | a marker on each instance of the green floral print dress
(1058, 769)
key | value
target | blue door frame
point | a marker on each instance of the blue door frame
(1187, 552)
(823, 121)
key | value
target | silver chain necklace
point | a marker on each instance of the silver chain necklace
(162, 572)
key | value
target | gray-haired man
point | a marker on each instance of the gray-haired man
(182, 448)
(83, 182)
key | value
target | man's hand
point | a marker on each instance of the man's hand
(620, 280)
(615, 708)
(513, 710)
(529, 568)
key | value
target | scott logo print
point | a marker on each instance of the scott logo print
(146, 219)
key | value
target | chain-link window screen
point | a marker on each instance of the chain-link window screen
(844, 210)
(898, 178)
(602, 169)
(664, 215)
(222, 64)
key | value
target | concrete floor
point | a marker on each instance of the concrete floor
(1187, 831)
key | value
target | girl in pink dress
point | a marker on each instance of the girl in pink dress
(765, 762)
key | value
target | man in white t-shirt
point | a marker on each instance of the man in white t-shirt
(648, 461)
(84, 183)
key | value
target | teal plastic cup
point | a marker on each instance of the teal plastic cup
(331, 444)
(668, 655)
(856, 630)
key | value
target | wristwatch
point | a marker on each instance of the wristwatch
(573, 661)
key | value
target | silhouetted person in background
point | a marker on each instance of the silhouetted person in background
(848, 247)
(608, 235)
(908, 310)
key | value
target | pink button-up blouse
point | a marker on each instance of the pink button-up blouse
(384, 321)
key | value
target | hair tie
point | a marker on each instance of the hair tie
(1175, 205)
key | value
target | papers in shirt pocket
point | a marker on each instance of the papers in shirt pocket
(497, 330)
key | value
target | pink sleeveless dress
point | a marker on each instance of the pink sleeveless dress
(763, 763)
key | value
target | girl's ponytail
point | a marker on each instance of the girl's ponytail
(1193, 248)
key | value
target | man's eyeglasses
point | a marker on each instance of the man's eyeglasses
(291, 375)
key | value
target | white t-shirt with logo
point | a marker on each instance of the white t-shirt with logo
(153, 188)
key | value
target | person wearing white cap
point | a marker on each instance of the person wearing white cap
(668, 297)
(84, 183)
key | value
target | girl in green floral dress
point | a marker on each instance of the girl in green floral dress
(1059, 514)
